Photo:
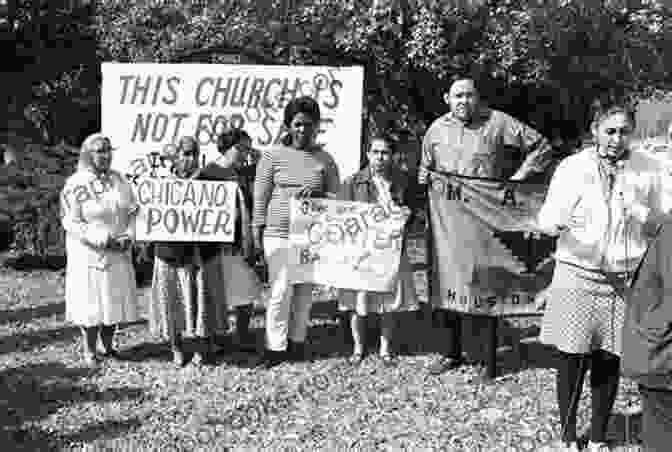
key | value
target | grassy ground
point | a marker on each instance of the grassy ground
(49, 401)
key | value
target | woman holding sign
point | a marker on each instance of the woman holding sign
(297, 168)
(98, 206)
(603, 203)
(176, 309)
(380, 182)
(241, 285)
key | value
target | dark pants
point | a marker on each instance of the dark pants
(604, 376)
(483, 329)
(656, 419)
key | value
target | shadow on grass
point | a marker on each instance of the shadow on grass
(28, 314)
(23, 342)
(33, 392)
(28, 262)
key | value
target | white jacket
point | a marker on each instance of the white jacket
(606, 231)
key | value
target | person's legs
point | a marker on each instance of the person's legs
(177, 348)
(452, 355)
(107, 339)
(571, 372)
(278, 303)
(243, 316)
(387, 323)
(89, 340)
(206, 317)
(656, 419)
(358, 327)
(302, 301)
(604, 377)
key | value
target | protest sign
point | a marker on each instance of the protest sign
(488, 256)
(185, 210)
(345, 244)
(147, 105)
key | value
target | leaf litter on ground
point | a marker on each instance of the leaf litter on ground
(52, 402)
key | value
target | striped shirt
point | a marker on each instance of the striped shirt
(281, 172)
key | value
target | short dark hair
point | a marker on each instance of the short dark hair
(602, 112)
(462, 77)
(387, 138)
(304, 104)
(190, 139)
(230, 138)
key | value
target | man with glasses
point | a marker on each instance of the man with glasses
(473, 140)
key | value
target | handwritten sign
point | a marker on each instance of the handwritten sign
(182, 210)
(344, 244)
(145, 106)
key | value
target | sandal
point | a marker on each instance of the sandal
(356, 359)
(388, 361)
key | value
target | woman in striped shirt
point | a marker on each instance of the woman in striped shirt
(301, 169)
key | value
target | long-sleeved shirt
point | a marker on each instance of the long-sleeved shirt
(281, 172)
(647, 350)
(601, 227)
(489, 146)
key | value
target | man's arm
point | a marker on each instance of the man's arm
(536, 148)
(426, 158)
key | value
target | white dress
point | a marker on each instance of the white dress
(99, 284)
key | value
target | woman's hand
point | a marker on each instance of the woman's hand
(120, 243)
(258, 240)
(306, 192)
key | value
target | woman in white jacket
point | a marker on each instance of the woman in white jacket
(98, 206)
(603, 203)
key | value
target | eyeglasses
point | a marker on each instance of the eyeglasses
(105, 149)
(613, 131)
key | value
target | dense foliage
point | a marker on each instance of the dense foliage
(544, 62)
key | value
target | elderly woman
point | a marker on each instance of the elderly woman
(180, 306)
(98, 207)
(380, 182)
(602, 203)
(241, 285)
(296, 168)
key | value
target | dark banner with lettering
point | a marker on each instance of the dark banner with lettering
(487, 254)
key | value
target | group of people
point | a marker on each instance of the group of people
(606, 204)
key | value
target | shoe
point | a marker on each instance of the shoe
(356, 359)
(296, 351)
(272, 358)
(389, 361)
(110, 353)
(444, 364)
(205, 353)
(91, 360)
(205, 358)
(597, 447)
(179, 358)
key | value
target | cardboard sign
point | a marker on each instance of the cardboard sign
(345, 244)
(184, 210)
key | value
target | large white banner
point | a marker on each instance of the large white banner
(185, 210)
(148, 105)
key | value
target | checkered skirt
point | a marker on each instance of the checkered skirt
(585, 310)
